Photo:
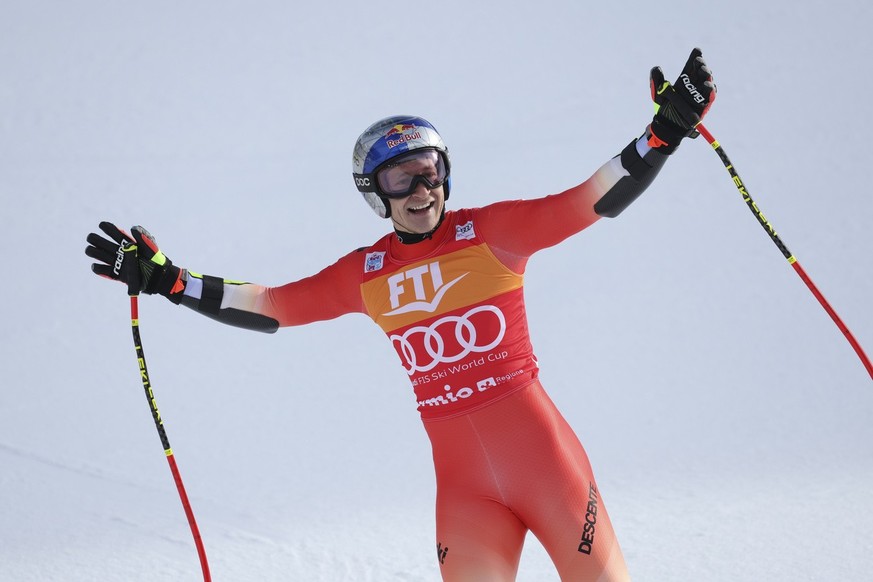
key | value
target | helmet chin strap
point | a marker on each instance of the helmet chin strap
(410, 238)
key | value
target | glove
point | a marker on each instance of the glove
(680, 107)
(134, 260)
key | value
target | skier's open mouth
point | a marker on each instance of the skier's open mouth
(420, 208)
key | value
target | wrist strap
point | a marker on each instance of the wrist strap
(170, 284)
(212, 294)
(664, 136)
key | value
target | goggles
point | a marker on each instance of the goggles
(402, 175)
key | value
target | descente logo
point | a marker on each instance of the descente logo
(588, 530)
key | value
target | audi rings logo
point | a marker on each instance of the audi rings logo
(450, 338)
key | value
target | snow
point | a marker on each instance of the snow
(727, 419)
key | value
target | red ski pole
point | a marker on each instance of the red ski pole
(159, 424)
(792, 260)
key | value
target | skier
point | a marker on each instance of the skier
(446, 287)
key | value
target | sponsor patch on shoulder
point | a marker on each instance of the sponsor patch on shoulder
(465, 231)
(374, 261)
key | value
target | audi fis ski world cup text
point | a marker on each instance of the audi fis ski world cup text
(436, 351)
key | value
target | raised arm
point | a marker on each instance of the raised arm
(136, 260)
(520, 228)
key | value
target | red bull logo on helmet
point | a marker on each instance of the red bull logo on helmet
(400, 134)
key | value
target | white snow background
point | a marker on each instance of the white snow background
(727, 418)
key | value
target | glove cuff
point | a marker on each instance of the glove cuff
(168, 283)
(664, 136)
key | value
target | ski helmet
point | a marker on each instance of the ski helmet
(385, 140)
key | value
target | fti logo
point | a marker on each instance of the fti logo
(419, 289)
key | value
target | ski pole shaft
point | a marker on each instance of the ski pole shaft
(792, 260)
(159, 424)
